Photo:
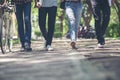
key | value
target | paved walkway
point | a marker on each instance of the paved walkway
(63, 63)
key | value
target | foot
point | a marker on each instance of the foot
(73, 45)
(100, 46)
(27, 47)
(49, 48)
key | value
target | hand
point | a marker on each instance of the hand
(38, 4)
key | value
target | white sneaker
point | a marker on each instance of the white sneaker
(49, 48)
(100, 46)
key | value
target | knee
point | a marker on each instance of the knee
(72, 20)
(27, 19)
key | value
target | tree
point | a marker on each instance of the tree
(87, 12)
(117, 8)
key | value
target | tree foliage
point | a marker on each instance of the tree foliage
(87, 19)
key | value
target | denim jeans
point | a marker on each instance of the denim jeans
(101, 12)
(23, 14)
(47, 32)
(73, 12)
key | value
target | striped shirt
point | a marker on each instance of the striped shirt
(21, 1)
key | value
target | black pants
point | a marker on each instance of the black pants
(47, 32)
(101, 12)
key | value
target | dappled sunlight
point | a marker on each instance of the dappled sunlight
(42, 59)
(53, 60)
(63, 63)
(11, 60)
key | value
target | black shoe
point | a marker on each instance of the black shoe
(27, 47)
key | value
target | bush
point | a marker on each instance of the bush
(58, 34)
(113, 30)
(38, 33)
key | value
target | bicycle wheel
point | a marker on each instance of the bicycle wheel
(2, 40)
(1, 34)
(0, 30)
(4, 35)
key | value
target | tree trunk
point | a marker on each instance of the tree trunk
(61, 20)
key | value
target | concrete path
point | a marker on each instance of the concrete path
(86, 63)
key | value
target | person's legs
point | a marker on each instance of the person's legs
(106, 16)
(42, 21)
(73, 12)
(96, 5)
(27, 19)
(51, 23)
(71, 20)
(19, 16)
(78, 11)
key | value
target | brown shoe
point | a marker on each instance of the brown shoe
(73, 45)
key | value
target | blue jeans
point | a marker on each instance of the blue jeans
(73, 12)
(23, 14)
